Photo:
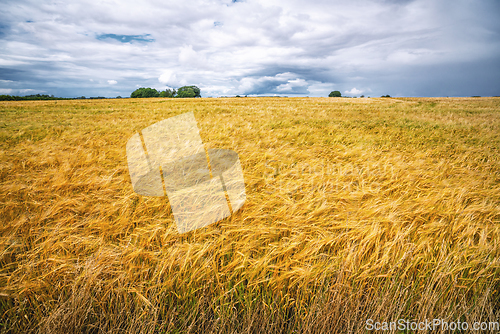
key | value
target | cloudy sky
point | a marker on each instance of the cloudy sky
(251, 47)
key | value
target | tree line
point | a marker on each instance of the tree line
(336, 93)
(185, 91)
(31, 97)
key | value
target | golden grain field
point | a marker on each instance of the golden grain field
(357, 209)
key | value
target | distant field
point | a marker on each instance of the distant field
(357, 209)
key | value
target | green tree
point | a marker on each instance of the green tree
(145, 92)
(168, 93)
(335, 93)
(189, 91)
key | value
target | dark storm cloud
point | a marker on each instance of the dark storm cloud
(227, 47)
(3, 30)
(12, 74)
(282, 83)
(312, 73)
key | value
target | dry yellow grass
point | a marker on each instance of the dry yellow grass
(356, 209)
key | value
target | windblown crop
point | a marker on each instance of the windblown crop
(356, 209)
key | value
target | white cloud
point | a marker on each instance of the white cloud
(112, 82)
(191, 58)
(21, 92)
(26, 90)
(353, 91)
(291, 85)
(169, 78)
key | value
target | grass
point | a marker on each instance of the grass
(378, 209)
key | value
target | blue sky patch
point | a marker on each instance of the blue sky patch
(126, 38)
